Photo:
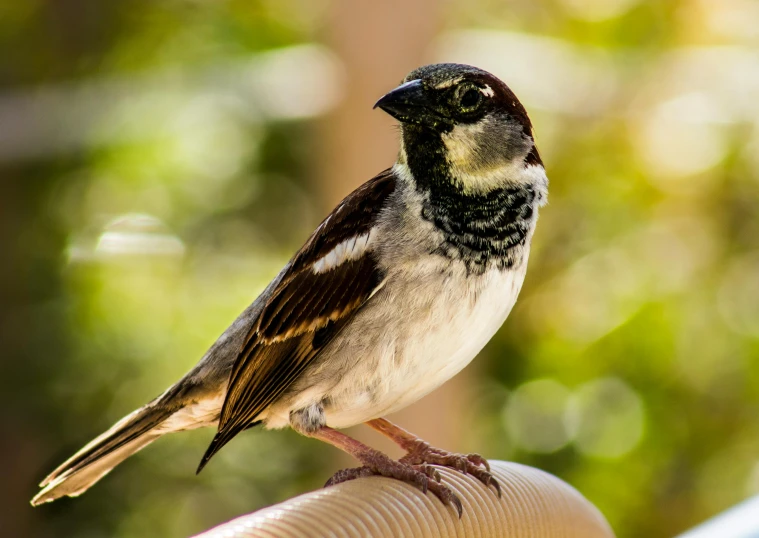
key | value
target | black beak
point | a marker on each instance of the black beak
(410, 103)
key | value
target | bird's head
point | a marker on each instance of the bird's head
(461, 125)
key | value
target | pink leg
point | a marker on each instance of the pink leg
(420, 452)
(376, 463)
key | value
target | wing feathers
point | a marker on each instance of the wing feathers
(327, 282)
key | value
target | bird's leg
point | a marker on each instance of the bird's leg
(376, 463)
(419, 452)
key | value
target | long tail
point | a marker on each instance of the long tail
(193, 402)
(90, 464)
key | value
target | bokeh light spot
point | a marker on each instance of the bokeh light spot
(738, 296)
(605, 418)
(681, 138)
(534, 416)
(598, 10)
(137, 234)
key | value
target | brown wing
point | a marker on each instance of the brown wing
(319, 293)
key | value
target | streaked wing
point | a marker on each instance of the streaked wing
(327, 282)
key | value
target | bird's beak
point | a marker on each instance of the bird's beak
(410, 103)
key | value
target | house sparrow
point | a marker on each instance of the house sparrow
(394, 293)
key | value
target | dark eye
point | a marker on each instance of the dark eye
(470, 99)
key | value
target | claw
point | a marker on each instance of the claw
(469, 464)
(418, 475)
(479, 460)
(497, 486)
(459, 507)
(430, 471)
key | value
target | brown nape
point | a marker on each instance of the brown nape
(424, 476)
(533, 158)
(421, 453)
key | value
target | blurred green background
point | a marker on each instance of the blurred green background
(160, 161)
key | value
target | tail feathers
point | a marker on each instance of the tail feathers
(218, 442)
(90, 464)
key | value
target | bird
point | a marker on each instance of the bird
(394, 293)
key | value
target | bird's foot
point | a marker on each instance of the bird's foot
(422, 453)
(423, 476)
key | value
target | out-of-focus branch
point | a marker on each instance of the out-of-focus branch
(534, 504)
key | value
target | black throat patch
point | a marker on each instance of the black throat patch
(480, 230)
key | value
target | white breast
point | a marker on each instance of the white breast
(436, 328)
(458, 325)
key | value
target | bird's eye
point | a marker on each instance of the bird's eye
(470, 99)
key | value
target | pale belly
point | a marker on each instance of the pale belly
(408, 342)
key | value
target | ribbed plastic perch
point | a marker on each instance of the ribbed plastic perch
(534, 504)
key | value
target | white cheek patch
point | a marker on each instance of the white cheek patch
(350, 249)
(476, 168)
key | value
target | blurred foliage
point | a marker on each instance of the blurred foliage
(629, 367)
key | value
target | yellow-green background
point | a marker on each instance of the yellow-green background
(159, 161)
